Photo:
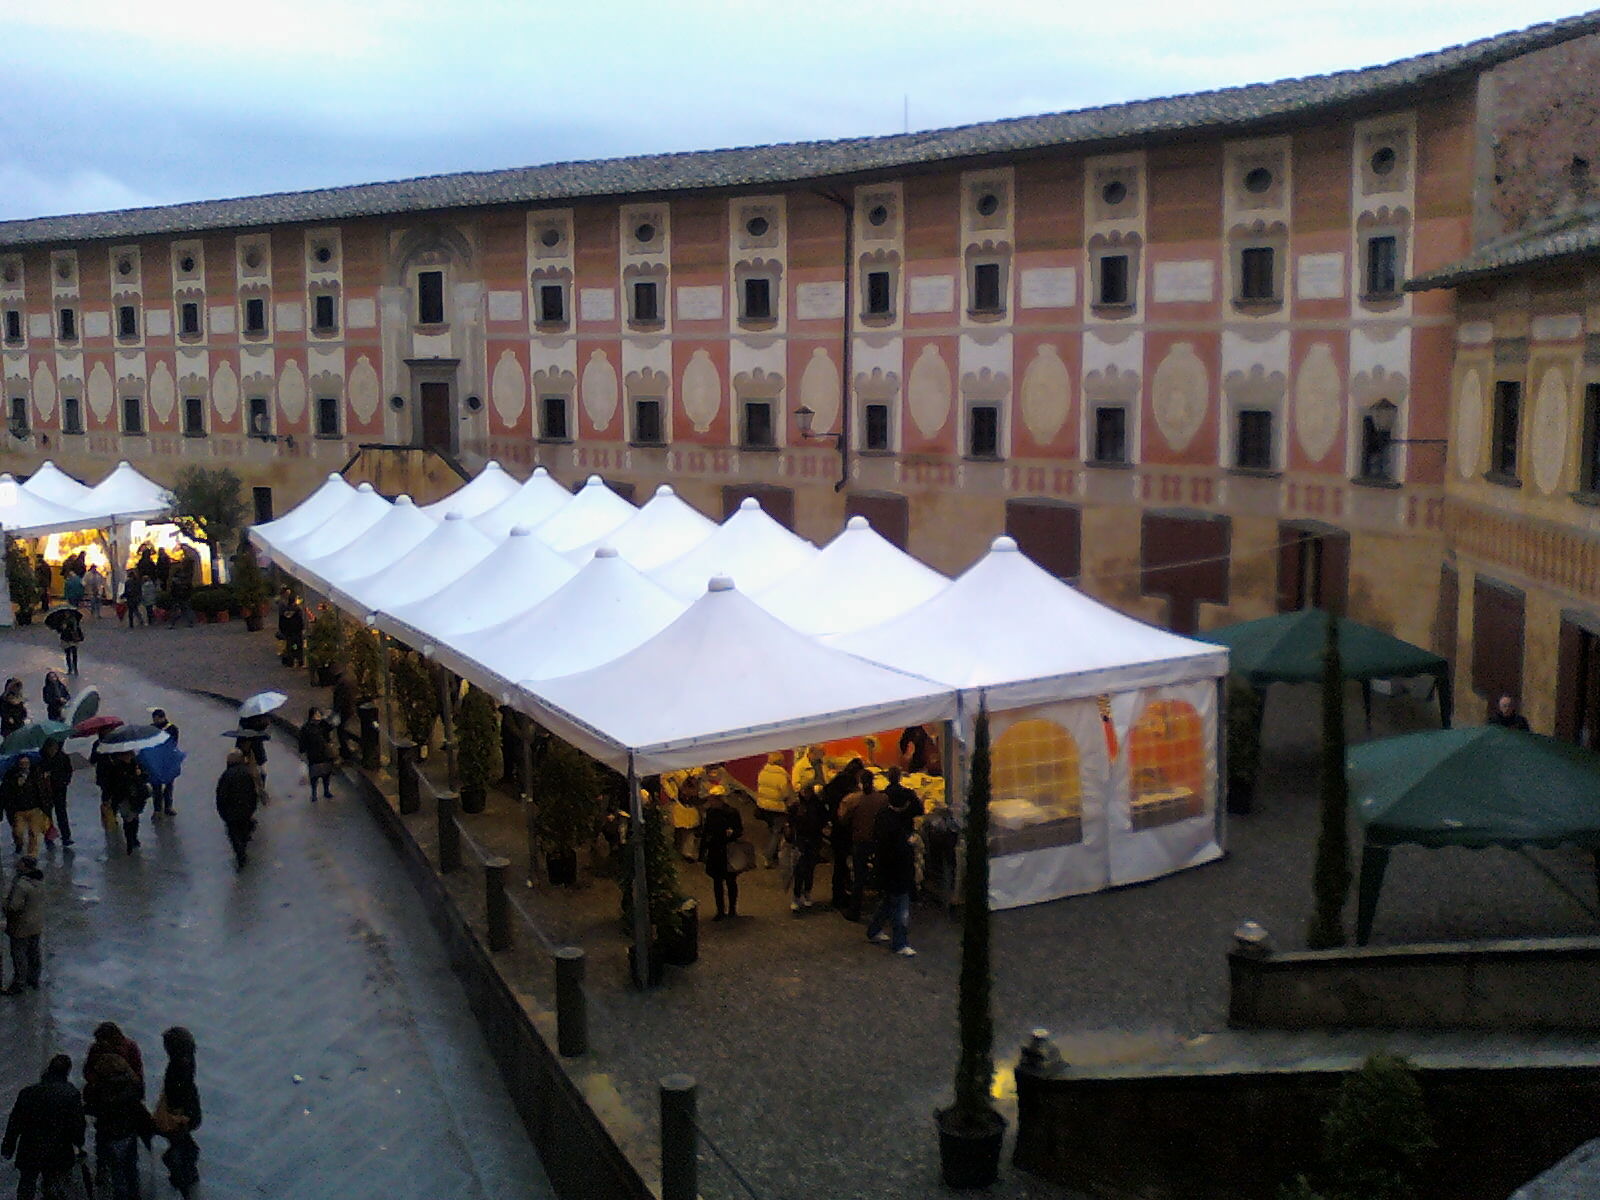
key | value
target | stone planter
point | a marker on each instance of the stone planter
(970, 1158)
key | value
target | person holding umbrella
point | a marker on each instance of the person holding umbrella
(254, 718)
(55, 770)
(129, 784)
(163, 763)
(24, 803)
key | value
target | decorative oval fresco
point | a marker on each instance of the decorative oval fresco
(702, 391)
(508, 388)
(1046, 397)
(599, 390)
(1469, 423)
(1180, 393)
(928, 392)
(1318, 402)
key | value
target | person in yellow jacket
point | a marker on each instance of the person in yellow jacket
(774, 794)
(809, 769)
(686, 813)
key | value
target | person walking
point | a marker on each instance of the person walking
(56, 695)
(895, 850)
(721, 827)
(180, 597)
(130, 598)
(41, 572)
(807, 819)
(846, 783)
(148, 592)
(44, 1135)
(70, 631)
(24, 908)
(862, 815)
(55, 776)
(130, 792)
(72, 590)
(110, 1042)
(345, 717)
(774, 794)
(94, 589)
(115, 1099)
(22, 797)
(13, 708)
(236, 804)
(177, 1113)
(162, 765)
(316, 747)
(291, 629)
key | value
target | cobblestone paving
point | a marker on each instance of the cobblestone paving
(337, 1055)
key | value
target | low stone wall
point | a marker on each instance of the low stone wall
(1517, 985)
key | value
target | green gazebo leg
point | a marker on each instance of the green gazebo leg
(1374, 861)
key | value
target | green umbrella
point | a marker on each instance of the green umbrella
(84, 705)
(31, 737)
(1475, 787)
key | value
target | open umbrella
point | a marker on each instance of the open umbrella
(262, 703)
(84, 705)
(31, 737)
(244, 735)
(95, 725)
(133, 737)
(57, 618)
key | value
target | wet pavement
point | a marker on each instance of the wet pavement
(337, 1055)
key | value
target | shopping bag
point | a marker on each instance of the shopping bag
(741, 857)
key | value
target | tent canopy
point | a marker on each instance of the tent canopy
(661, 531)
(489, 487)
(51, 483)
(309, 514)
(1007, 626)
(737, 681)
(124, 495)
(538, 499)
(859, 579)
(28, 515)
(592, 513)
(749, 546)
(364, 509)
(452, 548)
(390, 537)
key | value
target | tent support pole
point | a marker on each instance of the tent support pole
(447, 713)
(1366, 702)
(387, 710)
(641, 890)
(1374, 861)
(1222, 761)
(529, 812)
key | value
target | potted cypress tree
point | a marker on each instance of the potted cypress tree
(250, 589)
(971, 1132)
(324, 646)
(416, 696)
(365, 652)
(478, 734)
(566, 798)
(22, 581)
(669, 908)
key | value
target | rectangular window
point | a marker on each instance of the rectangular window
(986, 288)
(328, 417)
(13, 324)
(430, 297)
(127, 321)
(758, 431)
(1377, 452)
(19, 415)
(255, 315)
(1256, 280)
(1254, 449)
(1114, 279)
(261, 501)
(189, 318)
(880, 294)
(1507, 427)
(553, 425)
(1382, 272)
(259, 417)
(324, 313)
(1111, 434)
(646, 305)
(68, 325)
(877, 427)
(647, 427)
(1589, 469)
(194, 416)
(132, 415)
(71, 415)
(983, 431)
(552, 304)
(757, 295)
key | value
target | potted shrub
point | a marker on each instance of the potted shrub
(669, 908)
(567, 807)
(478, 732)
(324, 646)
(416, 696)
(1244, 744)
(364, 656)
(970, 1130)
(23, 583)
(250, 589)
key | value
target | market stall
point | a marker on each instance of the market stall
(592, 513)
(489, 487)
(858, 579)
(664, 529)
(538, 499)
(50, 482)
(749, 546)
(342, 527)
(309, 514)
(376, 547)
(453, 547)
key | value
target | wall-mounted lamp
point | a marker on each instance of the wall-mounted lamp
(804, 420)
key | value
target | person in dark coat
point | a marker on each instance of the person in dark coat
(45, 1133)
(178, 1111)
(255, 749)
(807, 819)
(292, 629)
(24, 912)
(26, 807)
(236, 804)
(128, 789)
(130, 598)
(115, 1099)
(41, 572)
(1505, 715)
(316, 747)
(863, 818)
(896, 856)
(56, 695)
(344, 709)
(722, 825)
(845, 783)
(70, 631)
(13, 708)
(110, 1042)
(55, 773)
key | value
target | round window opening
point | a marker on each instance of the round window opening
(11, 274)
(323, 254)
(252, 258)
(124, 266)
(397, 402)
(1383, 160)
(474, 403)
(988, 204)
(63, 269)
(1257, 181)
(757, 226)
(186, 263)
(550, 238)
(1114, 192)
(878, 215)
(645, 232)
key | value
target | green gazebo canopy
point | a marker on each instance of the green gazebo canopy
(1288, 648)
(1474, 787)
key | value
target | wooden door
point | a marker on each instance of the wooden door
(436, 421)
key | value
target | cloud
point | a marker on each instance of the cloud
(30, 191)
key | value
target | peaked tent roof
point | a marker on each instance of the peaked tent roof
(311, 512)
(1287, 648)
(607, 608)
(749, 546)
(663, 529)
(125, 495)
(538, 499)
(859, 579)
(594, 511)
(478, 495)
(21, 512)
(1009, 627)
(364, 509)
(389, 538)
(521, 572)
(51, 483)
(452, 549)
(741, 682)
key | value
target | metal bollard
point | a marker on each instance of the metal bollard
(496, 908)
(405, 771)
(572, 1014)
(371, 755)
(449, 834)
(679, 1142)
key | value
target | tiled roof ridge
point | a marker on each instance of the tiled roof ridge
(1562, 235)
(792, 162)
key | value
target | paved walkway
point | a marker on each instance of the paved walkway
(337, 1054)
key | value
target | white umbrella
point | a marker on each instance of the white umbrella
(262, 703)
(133, 738)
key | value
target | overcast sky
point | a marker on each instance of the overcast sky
(112, 104)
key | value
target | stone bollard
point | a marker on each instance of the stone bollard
(405, 773)
(495, 905)
(679, 1141)
(449, 834)
(572, 1014)
(371, 751)
(1247, 965)
(1038, 1064)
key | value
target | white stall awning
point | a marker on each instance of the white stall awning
(859, 579)
(123, 495)
(364, 509)
(538, 499)
(309, 514)
(489, 487)
(51, 483)
(661, 531)
(26, 515)
(749, 546)
(389, 538)
(452, 549)
(593, 512)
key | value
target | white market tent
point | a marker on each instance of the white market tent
(604, 610)
(309, 514)
(538, 499)
(741, 682)
(1112, 775)
(388, 538)
(749, 546)
(123, 496)
(520, 573)
(859, 579)
(342, 527)
(51, 483)
(26, 515)
(661, 531)
(450, 550)
(594, 511)
(489, 487)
